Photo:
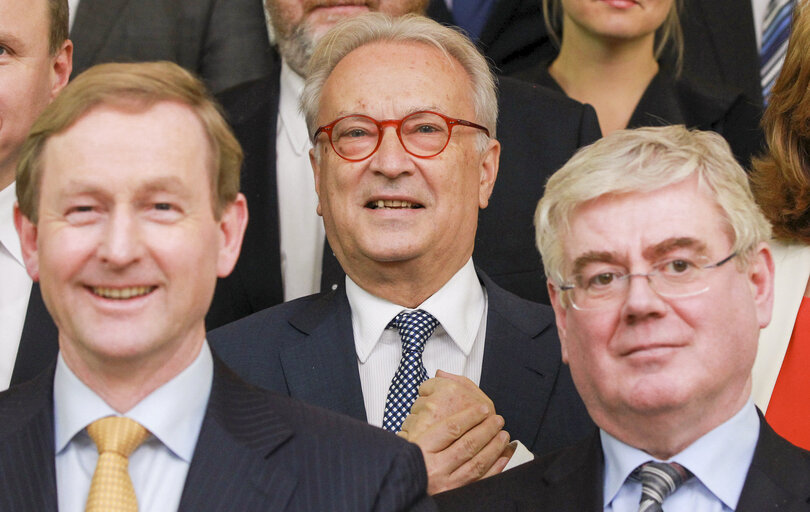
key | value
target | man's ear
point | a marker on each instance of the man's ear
(232, 224)
(27, 231)
(560, 316)
(760, 274)
(490, 160)
(316, 172)
(62, 66)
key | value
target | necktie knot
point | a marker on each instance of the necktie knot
(659, 480)
(117, 434)
(415, 327)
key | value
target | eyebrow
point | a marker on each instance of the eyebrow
(666, 246)
(593, 257)
(169, 184)
(11, 41)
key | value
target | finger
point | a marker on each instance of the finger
(488, 461)
(456, 378)
(447, 431)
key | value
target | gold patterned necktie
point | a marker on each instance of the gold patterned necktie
(111, 488)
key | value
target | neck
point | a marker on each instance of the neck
(666, 434)
(406, 285)
(123, 382)
(611, 75)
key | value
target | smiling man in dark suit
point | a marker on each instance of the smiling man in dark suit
(35, 63)
(128, 210)
(661, 278)
(402, 113)
(284, 255)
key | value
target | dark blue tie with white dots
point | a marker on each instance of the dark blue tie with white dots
(415, 327)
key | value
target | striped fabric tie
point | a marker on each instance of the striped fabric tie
(775, 32)
(658, 480)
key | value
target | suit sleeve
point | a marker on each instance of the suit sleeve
(404, 487)
(237, 47)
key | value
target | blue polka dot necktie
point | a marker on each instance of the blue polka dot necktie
(658, 480)
(415, 327)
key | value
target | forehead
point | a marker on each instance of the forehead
(25, 20)
(116, 146)
(387, 79)
(631, 225)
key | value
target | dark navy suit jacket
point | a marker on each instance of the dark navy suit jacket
(257, 451)
(305, 348)
(572, 481)
(39, 340)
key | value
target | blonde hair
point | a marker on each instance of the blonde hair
(139, 86)
(352, 33)
(641, 161)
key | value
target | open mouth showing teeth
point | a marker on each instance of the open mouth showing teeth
(395, 204)
(122, 293)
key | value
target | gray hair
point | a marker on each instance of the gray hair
(352, 33)
(641, 161)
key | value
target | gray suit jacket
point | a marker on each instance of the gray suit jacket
(305, 348)
(256, 451)
(223, 41)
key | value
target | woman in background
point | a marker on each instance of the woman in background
(609, 57)
(781, 185)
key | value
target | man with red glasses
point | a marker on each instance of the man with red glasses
(661, 278)
(403, 116)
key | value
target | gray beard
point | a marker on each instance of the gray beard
(296, 49)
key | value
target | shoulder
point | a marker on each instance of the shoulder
(531, 318)
(20, 403)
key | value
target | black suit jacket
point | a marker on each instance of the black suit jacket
(39, 341)
(305, 348)
(514, 36)
(720, 44)
(256, 451)
(572, 481)
(538, 130)
(680, 100)
(224, 41)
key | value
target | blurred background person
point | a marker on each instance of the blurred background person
(609, 58)
(223, 41)
(781, 184)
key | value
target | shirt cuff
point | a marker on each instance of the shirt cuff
(522, 455)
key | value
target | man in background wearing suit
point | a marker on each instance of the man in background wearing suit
(284, 255)
(35, 63)
(128, 210)
(660, 277)
(223, 41)
(403, 115)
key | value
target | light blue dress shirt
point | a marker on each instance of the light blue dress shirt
(173, 413)
(719, 460)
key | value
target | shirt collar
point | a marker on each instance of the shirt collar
(8, 234)
(292, 121)
(720, 459)
(173, 413)
(458, 306)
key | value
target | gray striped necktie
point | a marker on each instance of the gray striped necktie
(658, 480)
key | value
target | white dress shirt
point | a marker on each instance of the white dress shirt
(457, 345)
(719, 460)
(15, 287)
(172, 413)
(72, 6)
(301, 232)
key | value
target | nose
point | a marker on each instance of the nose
(642, 301)
(121, 242)
(391, 159)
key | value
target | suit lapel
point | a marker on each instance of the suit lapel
(39, 340)
(572, 483)
(322, 370)
(519, 370)
(94, 20)
(27, 470)
(779, 477)
(232, 467)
